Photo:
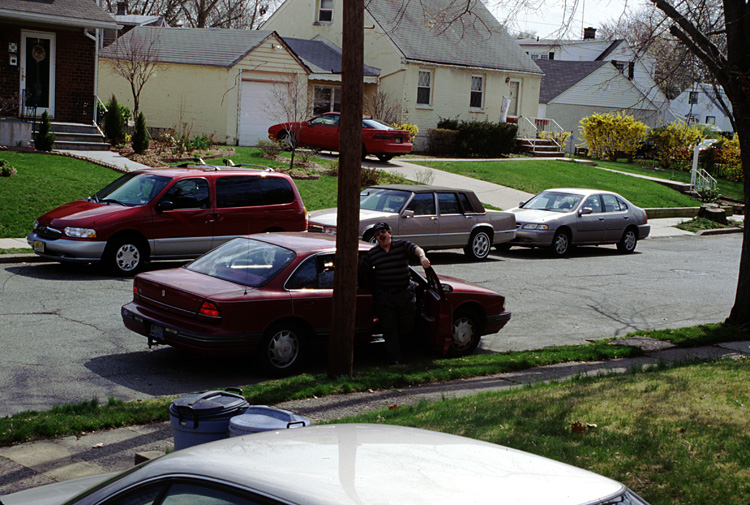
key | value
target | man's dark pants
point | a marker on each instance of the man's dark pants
(397, 311)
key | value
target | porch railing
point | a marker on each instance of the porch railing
(538, 128)
(701, 180)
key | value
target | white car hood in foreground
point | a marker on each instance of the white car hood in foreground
(328, 217)
(536, 216)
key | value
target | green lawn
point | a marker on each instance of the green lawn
(731, 189)
(534, 176)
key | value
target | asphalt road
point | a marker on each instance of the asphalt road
(62, 339)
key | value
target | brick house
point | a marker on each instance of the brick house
(49, 58)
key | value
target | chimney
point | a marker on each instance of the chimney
(589, 33)
(122, 8)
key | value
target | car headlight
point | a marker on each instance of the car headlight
(80, 232)
(534, 226)
(36, 224)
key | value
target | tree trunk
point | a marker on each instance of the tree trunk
(341, 345)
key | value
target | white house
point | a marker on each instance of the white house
(701, 104)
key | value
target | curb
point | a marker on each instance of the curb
(720, 231)
(22, 258)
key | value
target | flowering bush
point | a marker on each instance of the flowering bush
(607, 135)
(674, 142)
(6, 169)
(728, 154)
(411, 128)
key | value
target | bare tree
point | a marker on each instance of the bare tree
(203, 13)
(290, 106)
(381, 106)
(719, 35)
(135, 57)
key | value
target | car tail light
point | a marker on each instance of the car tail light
(136, 292)
(209, 310)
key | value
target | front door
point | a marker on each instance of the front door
(37, 73)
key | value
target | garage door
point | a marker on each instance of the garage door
(259, 109)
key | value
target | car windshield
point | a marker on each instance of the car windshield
(244, 261)
(377, 124)
(133, 189)
(385, 200)
(554, 202)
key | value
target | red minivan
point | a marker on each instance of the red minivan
(168, 213)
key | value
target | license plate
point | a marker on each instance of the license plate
(156, 332)
(38, 246)
(398, 141)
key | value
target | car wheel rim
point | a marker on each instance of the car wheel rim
(481, 245)
(463, 333)
(561, 244)
(283, 349)
(128, 256)
(629, 241)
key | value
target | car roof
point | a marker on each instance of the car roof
(192, 169)
(304, 242)
(579, 191)
(381, 464)
(418, 188)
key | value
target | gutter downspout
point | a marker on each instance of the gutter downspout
(95, 38)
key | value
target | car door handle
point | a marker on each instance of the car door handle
(434, 218)
(601, 219)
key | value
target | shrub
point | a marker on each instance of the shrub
(369, 177)
(270, 147)
(674, 142)
(114, 124)
(411, 128)
(448, 123)
(6, 169)
(609, 135)
(485, 139)
(728, 156)
(140, 135)
(441, 142)
(44, 139)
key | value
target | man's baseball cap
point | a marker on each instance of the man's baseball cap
(380, 225)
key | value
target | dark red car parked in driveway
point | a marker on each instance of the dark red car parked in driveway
(378, 138)
(269, 296)
(168, 213)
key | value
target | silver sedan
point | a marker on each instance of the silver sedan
(343, 464)
(565, 217)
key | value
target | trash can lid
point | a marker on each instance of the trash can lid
(211, 404)
(264, 418)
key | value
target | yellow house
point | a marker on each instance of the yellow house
(231, 84)
(429, 67)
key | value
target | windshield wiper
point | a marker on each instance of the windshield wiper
(112, 200)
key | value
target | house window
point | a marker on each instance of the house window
(619, 65)
(551, 56)
(693, 97)
(325, 13)
(424, 87)
(326, 99)
(477, 89)
(513, 88)
(710, 119)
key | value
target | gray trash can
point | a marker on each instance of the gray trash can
(204, 417)
(259, 418)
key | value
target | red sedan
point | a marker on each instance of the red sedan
(269, 296)
(378, 138)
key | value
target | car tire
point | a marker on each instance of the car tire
(287, 140)
(465, 332)
(561, 243)
(369, 236)
(364, 152)
(385, 157)
(629, 240)
(479, 245)
(282, 349)
(125, 255)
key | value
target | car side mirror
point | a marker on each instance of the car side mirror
(585, 210)
(164, 205)
(521, 204)
(407, 213)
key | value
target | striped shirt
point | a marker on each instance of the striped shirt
(391, 268)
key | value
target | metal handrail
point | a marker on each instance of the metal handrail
(702, 180)
(96, 109)
(531, 129)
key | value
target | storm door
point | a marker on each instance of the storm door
(37, 73)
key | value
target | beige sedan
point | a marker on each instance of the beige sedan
(432, 217)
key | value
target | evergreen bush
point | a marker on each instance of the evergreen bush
(114, 125)
(44, 139)
(140, 135)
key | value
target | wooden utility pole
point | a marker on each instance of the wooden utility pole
(341, 345)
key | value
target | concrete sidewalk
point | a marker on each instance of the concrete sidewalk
(44, 462)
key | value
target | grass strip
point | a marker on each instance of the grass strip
(91, 415)
(701, 223)
(675, 434)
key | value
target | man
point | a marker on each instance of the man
(387, 265)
